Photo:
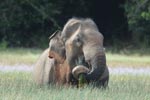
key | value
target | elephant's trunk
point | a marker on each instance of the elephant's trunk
(98, 65)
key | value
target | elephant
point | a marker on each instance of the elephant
(51, 67)
(62, 69)
(84, 46)
(43, 69)
(57, 52)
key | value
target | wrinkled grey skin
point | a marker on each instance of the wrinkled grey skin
(84, 45)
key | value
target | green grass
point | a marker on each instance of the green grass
(29, 56)
(128, 57)
(12, 56)
(20, 86)
(114, 60)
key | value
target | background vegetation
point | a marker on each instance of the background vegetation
(29, 23)
(138, 15)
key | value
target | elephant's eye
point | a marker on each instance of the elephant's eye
(50, 57)
(77, 39)
(64, 39)
(78, 42)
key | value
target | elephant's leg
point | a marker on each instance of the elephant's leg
(38, 69)
(49, 73)
(71, 80)
(103, 83)
(43, 69)
(104, 79)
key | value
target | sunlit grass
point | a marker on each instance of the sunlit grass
(19, 56)
(127, 60)
(20, 86)
(29, 56)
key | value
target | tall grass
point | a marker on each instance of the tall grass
(20, 86)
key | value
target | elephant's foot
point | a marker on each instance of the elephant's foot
(103, 83)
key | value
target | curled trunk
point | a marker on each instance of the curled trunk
(98, 66)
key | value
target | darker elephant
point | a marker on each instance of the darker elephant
(84, 46)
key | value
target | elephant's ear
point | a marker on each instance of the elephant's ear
(54, 34)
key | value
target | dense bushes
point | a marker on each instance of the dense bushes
(28, 23)
(138, 15)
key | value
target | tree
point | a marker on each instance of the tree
(138, 15)
(28, 22)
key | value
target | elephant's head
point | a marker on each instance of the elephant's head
(84, 46)
(57, 47)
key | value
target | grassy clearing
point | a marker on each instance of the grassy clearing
(129, 58)
(29, 56)
(135, 61)
(19, 86)
(18, 56)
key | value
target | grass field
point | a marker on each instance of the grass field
(19, 86)
(19, 56)
(114, 60)
(29, 56)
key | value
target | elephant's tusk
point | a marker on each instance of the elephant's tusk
(79, 73)
(80, 69)
(55, 33)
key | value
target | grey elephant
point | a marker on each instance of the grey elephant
(51, 67)
(84, 46)
(57, 52)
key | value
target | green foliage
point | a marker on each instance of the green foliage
(25, 22)
(3, 44)
(82, 81)
(29, 23)
(138, 15)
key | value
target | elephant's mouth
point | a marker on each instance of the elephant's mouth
(80, 61)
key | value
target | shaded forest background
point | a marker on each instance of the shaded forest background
(29, 23)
